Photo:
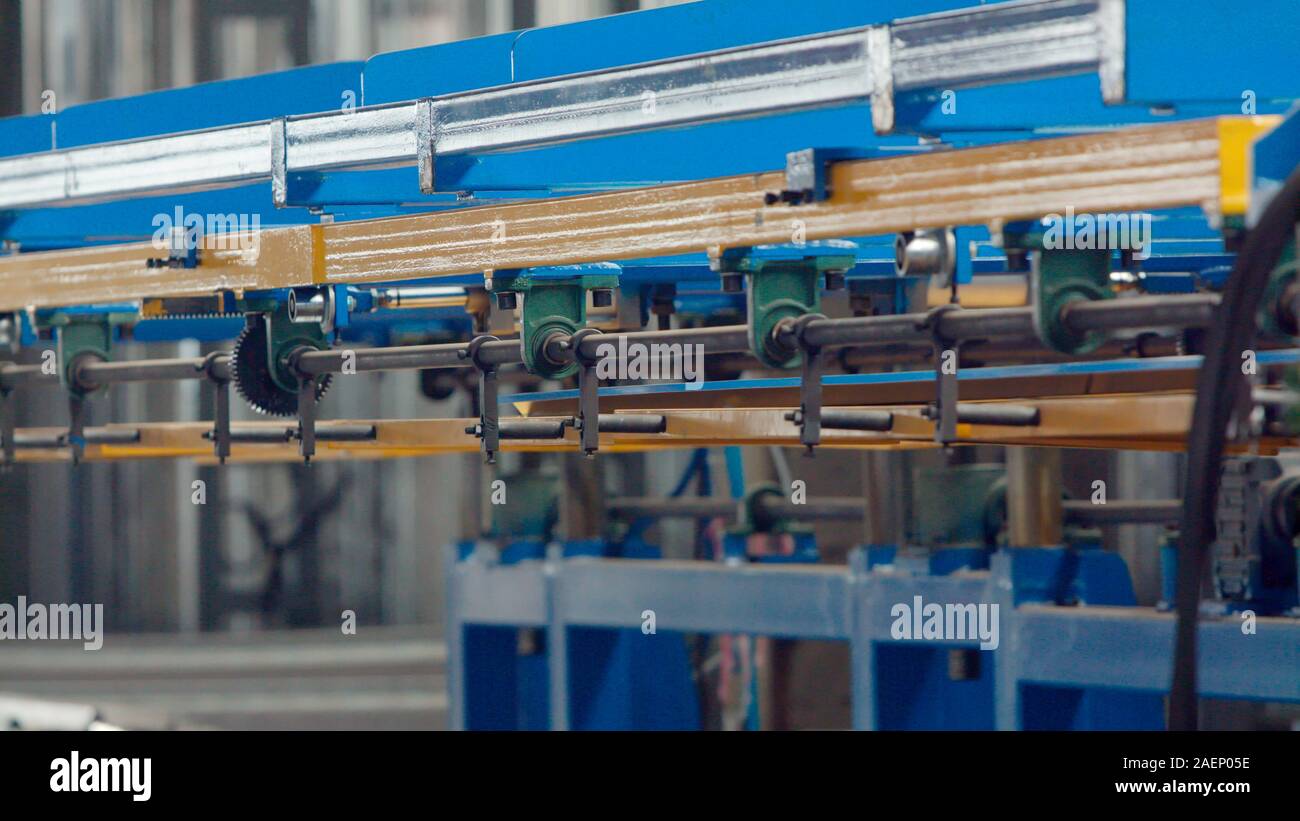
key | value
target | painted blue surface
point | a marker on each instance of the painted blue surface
(305, 90)
(1073, 652)
(1166, 58)
(26, 135)
(1275, 155)
(1209, 50)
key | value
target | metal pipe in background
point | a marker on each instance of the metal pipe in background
(691, 507)
(1034, 512)
(1123, 512)
(16, 376)
(887, 486)
(1076, 512)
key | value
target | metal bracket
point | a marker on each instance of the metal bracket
(808, 173)
(181, 252)
(588, 394)
(488, 430)
(279, 165)
(306, 412)
(809, 415)
(220, 407)
(426, 142)
(1112, 46)
(944, 408)
(75, 438)
(880, 54)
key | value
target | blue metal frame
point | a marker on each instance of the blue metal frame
(1098, 662)
(1187, 252)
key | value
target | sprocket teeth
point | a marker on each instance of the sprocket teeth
(252, 377)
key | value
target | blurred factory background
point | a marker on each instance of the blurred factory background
(210, 593)
(227, 614)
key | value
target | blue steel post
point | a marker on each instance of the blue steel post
(454, 631)
(861, 643)
(557, 645)
(1006, 670)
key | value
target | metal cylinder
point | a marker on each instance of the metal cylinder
(1034, 512)
(531, 428)
(925, 253)
(346, 433)
(997, 414)
(773, 507)
(1184, 311)
(870, 420)
(423, 296)
(410, 357)
(95, 372)
(1123, 511)
(632, 423)
(13, 376)
(315, 309)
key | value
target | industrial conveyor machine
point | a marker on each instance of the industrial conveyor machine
(897, 226)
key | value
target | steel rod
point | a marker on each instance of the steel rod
(1129, 511)
(531, 428)
(1188, 311)
(696, 507)
(95, 373)
(412, 357)
(1192, 310)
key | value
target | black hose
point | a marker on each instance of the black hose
(1217, 387)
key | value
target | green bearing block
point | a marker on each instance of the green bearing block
(285, 336)
(81, 337)
(1061, 276)
(555, 301)
(784, 283)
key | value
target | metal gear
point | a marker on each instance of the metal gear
(252, 375)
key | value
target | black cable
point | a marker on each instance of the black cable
(1217, 387)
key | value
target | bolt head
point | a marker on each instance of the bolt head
(602, 297)
(507, 301)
